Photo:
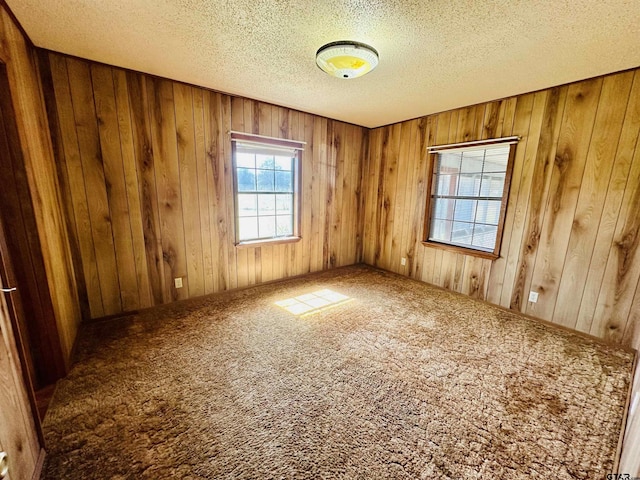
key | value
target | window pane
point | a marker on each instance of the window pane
(496, 159)
(446, 184)
(284, 204)
(284, 225)
(265, 189)
(247, 205)
(441, 230)
(488, 211)
(267, 226)
(492, 185)
(265, 181)
(465, 210)
(472, 161)
(246, 180)
(266, 204)
(484, 236)
(245, 160)
(444, 208)
(449, 162)
(284, 181)
(248, 228)
(462, 233)
(284, 163)
(468, 175)
(265, 161)
(469, 185)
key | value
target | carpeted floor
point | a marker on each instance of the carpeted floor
(400, 380)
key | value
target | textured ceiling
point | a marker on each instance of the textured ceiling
(434, 55)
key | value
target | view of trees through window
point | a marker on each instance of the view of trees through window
(466, 202)
(265, 194)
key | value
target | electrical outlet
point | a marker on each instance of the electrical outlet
(533, 297)
(178, 282)
(403, 261)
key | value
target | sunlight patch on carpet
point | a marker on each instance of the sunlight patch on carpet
(311, 303)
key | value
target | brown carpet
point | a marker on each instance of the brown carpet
(402, 381)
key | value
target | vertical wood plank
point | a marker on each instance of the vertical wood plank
(611, 209)
(569, 163)
(94, 179)
(200, 153)
(215, 186)
(308, 191)
(399, 206)
(225, 126)
(593, 188)
(219, 133)
(336, 246)
(623, 264)
(111, 151)
(371, 181)
(189, 188)
(131, 186)
(362, 167)
(167, 172)
(73, 162)
(520, 284)
(238, 115)
(319, 206)
(424, 138)
(528, 124)
(145, 162)
(390, 151)
(33, 135)
(48, 92)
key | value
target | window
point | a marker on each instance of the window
(267, 173)
(469, 190)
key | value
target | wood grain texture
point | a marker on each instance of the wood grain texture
(23, 249)
(27, 98)
(571, 223)
(568, 168)
(572, 229)
(18, 436)
(150, 180)
(571, 226)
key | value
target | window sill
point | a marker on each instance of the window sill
(462, 250)
(269, 241)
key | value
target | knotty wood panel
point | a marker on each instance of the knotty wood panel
(40, 167)
(147, 170)
(571, 229)
(45, 359)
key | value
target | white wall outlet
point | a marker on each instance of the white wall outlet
(178, 282)
(533, 297)
(403, 261)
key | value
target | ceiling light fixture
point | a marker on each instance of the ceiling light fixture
(346, 59)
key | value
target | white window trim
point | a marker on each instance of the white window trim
(274, 145)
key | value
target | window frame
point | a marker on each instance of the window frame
(433, 153)
(298, 147)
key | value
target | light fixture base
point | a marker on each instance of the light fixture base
(346, 59)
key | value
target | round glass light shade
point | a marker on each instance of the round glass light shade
(346, 59)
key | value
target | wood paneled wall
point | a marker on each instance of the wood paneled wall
(146, 171)
(572, 226)
(572, 230)
(39, 166)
